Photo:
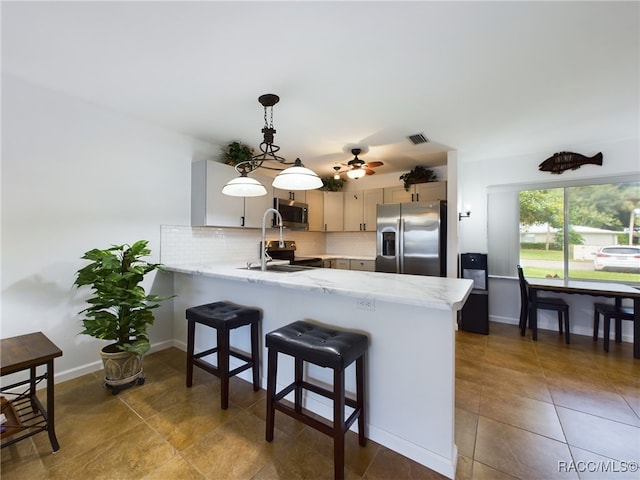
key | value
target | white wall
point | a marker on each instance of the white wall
(75, 177)
(620, 158)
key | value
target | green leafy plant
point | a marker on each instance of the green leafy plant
(418, 175)
(236, 152)
(331, 184)
(120, 309)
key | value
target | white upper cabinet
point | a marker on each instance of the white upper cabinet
(295, 195)
(420, 192)
(254, 207)
(360, 209)
(209, 207)
(333, 211)
(315, 200)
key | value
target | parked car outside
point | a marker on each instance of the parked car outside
(618, 257)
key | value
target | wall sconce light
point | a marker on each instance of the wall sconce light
(466, 214)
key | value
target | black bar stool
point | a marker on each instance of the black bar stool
(224, 317)
(307, 342)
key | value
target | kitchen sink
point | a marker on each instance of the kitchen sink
(282, 268)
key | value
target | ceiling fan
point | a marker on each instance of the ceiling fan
(357, 168)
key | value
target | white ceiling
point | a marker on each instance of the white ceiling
(489, 79)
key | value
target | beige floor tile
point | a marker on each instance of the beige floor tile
(468, 395)
(236, 449)
(177, 468)
(523, 412)
(594, 400)
(131, 454)
(465, 432)
(512, 381)
(522, 362)
(485, 472)
(388, 464)
(605, 437)
(591, 466)
(519, 453)
(20, 461)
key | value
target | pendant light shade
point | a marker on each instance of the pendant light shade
(244, 186)
(297, 177)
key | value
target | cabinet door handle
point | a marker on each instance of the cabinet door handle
(364, 226)
(242, 221)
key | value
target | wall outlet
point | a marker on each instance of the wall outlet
(366, 304)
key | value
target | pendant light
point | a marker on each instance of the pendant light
(297, 177)
(244, 186)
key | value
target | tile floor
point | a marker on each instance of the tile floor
(530, 410)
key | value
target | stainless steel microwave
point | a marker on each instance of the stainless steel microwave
(295, 215)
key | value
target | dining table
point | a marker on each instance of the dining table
(617, 291)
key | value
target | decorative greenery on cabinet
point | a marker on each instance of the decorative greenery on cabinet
(418, 175)
(236, 152)
(332, 184)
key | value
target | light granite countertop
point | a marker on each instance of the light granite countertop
(433, 292)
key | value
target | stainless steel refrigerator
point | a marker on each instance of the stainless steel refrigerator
(412, 238)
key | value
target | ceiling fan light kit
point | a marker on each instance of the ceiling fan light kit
(297, 177)
(356, 173)
(358, 168)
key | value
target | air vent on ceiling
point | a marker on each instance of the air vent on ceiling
(418, 138)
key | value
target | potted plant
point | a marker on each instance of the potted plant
(119, 310)
(236, 152)
(331, 184)
(418, 175)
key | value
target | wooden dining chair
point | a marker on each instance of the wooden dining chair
(608, 312)
(544, 303)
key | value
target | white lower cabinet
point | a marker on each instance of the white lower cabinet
(363, 265)
(343, 264)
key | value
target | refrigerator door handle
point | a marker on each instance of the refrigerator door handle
(400, 246)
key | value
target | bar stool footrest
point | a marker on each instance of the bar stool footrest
(311, 421)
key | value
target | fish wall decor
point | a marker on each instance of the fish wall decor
(561, 161)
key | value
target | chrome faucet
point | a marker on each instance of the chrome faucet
(263, 244)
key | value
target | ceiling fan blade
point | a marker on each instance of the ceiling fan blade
(374, 164)
(369, 171)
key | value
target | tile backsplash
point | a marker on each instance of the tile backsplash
(203, 245)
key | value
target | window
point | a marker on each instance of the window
(579, 232)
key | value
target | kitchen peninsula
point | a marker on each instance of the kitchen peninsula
(410, 321)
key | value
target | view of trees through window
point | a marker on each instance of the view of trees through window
(599, 224)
